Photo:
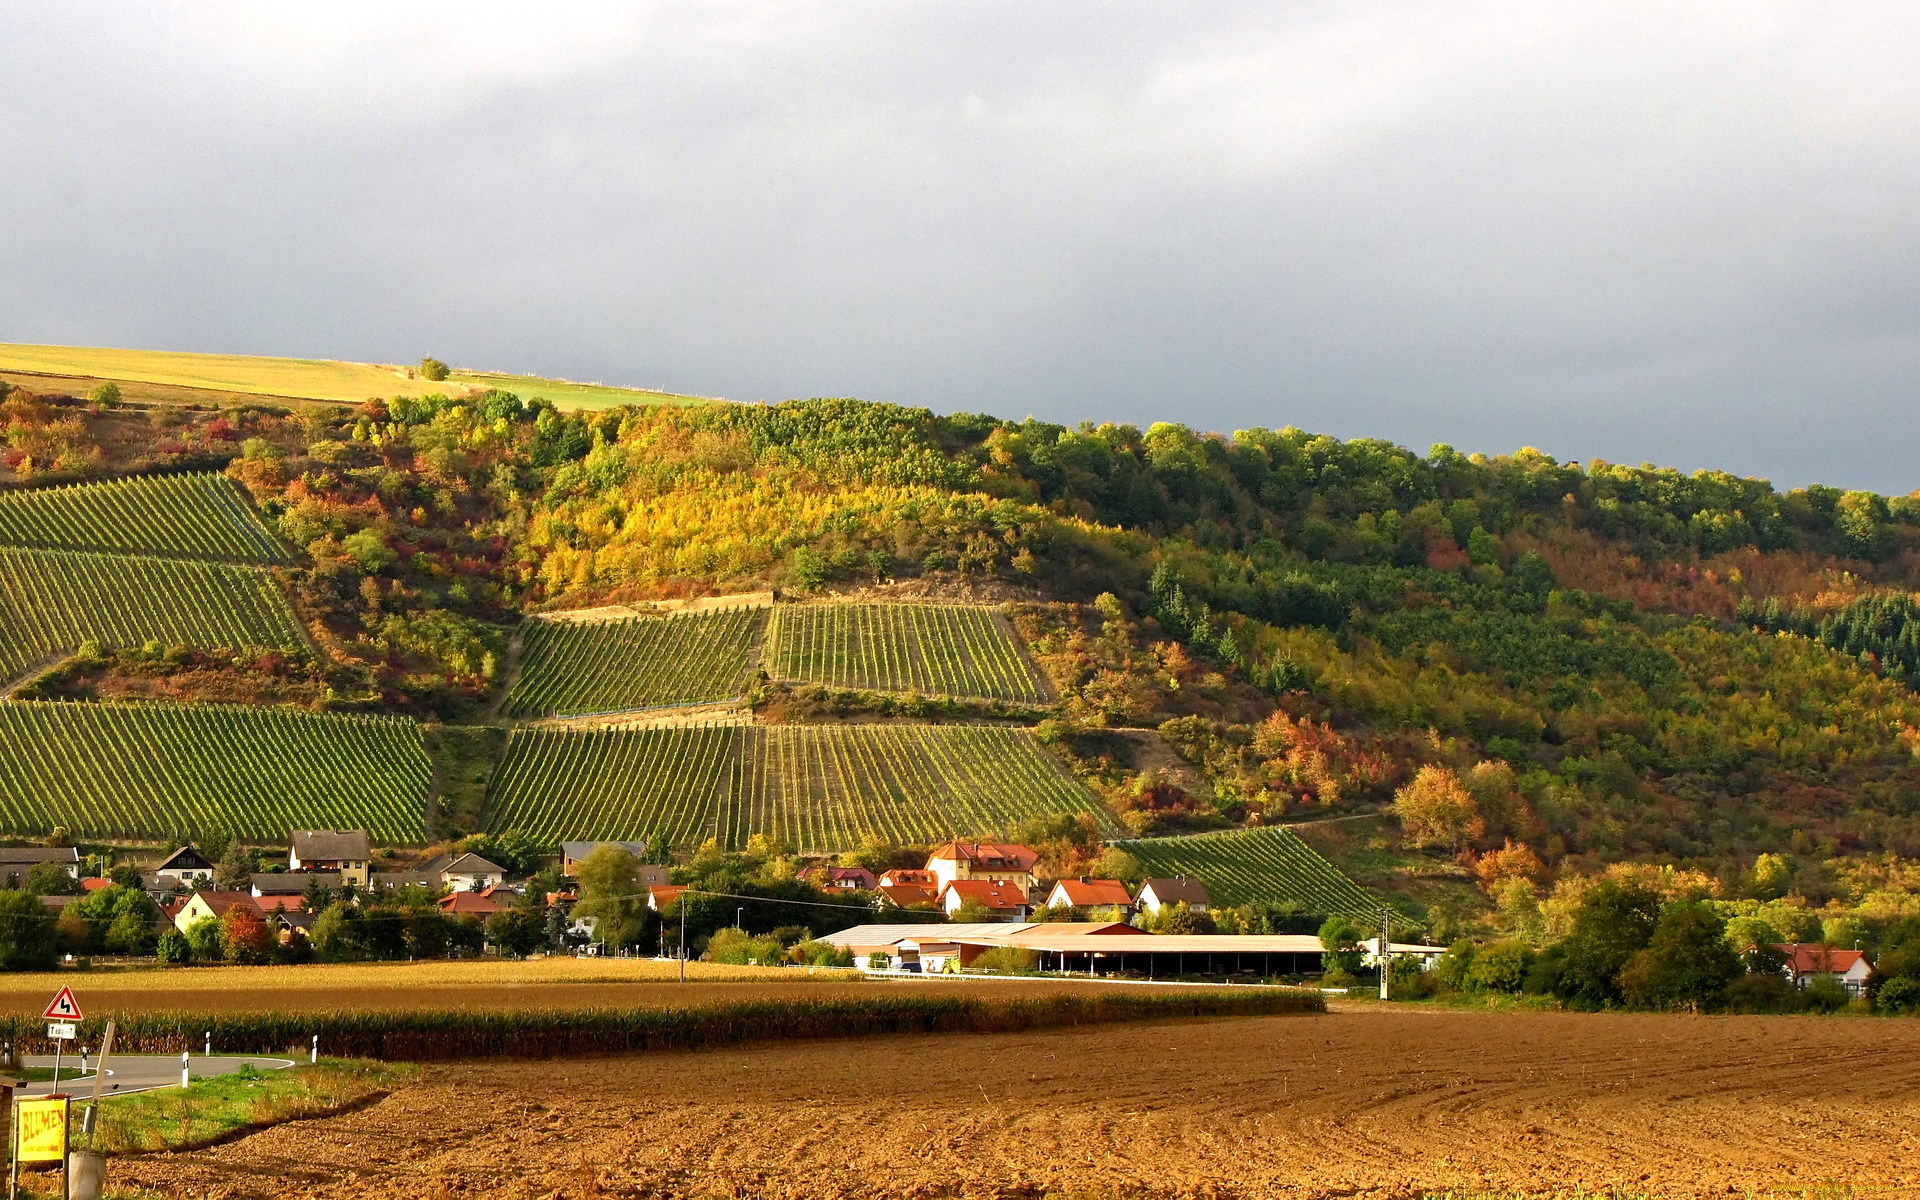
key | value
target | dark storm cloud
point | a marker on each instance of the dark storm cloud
(1684, 233)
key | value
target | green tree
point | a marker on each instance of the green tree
(1500, 966)
(367, 548)
(1340, 943)
(234, 871)
(204, 936)
(433, 370)
(1614, 922)
(130, 933)
(516, 931)
(1688, 963)
(173, 948)
(610, 893)
(28, 939)
(50, 879)
(107, 395)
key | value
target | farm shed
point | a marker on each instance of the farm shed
(1150, 954)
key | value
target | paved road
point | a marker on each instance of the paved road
(140, 1072)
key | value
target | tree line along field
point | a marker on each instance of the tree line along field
(1255, 866)
(158, 770)
(934, 649)
(573, 668)
(817, 788)
(200, 516)
(52, 601)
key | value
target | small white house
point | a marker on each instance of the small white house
(1807, 961)
(1156, 894)
(185, 866)
(471, 873)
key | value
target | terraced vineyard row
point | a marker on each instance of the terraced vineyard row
(571, 668)
(158, 770)
(1256, 866)
(181, 516)
(817, 788)
(53, 600)
(935, 649)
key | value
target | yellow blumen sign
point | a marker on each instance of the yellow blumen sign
(40, 1130)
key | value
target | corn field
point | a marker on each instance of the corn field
(441, 1035)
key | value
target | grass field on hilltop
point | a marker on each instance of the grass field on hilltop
(934, 649)
(152, 771)
(52, 601)
(815, 787)
(202, 516)
(1255, 866)
(300, 378)
(568, 394)
(568, 668)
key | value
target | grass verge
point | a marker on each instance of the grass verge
(221, 1108)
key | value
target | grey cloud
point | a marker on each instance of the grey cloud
(1631, 231)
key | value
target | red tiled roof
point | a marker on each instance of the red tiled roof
(469, 903)
(993, 893)
(906, 895)
(659, 897)
(907, 875)
(1091, 893)
(220, 902)
(279, 903)
(94, 885)
(1811, 958)
(858, 874)
(989, 856)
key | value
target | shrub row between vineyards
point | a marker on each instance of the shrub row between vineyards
(443, 1035)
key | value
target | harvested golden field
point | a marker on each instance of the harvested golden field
(367, 987)
(1372, 1103)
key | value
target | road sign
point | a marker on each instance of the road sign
(40, 1130)
(64, 1007)
(61, 1031)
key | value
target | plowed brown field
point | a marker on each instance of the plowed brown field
(1385, 1103)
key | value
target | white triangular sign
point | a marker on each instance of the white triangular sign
(64, 1007)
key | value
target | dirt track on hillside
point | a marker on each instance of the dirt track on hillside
(1352, 1103)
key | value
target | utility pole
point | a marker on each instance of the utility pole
(1386, 952)
(683, 937)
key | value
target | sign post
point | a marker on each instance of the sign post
(62, 1015)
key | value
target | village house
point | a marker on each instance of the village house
(1006, 863)
(661, 896)
(1155, 894)
(217, 905)
(1807, 961)
(469, 904)
(910, 877)
(909, 895)
(1083, 895)
(286, 890)
(342, 851)
(572, 854)
(1007, 901)
(16, 861)
(185, 867)
(471, 873)
(851, 879)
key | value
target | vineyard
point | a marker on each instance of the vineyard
(816, 788)
(952, 650)
(1255, 866)
(158, 770)
(53, 600)
(182, 516)
(570, 668)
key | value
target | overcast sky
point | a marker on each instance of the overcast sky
(1683, 233)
